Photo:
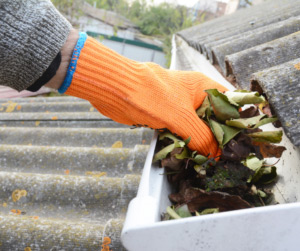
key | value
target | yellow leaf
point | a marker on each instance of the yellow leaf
(95, 174)
(4, 204)
(27, 249)
(54, 118)
(1, 109)
(23, 193)
(37, 123)
(117, 144)
(11, 107)
(16, 211)
(18, 194)
(19, 107)
(297, 66)
(92, 109)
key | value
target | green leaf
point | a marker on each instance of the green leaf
(201, 112)
(166, 150)
(199, 159)
(217, 131)
(242, 97)
(261, 193)
(183, 155)
(200, 170)
(168, 135)
(188, 140)
(265, 121)
(183, 211)
(245, 123)
(210, 211)
(223, 110)
(251, 123)
(269, 174)
(222, 132)
(197, 214)
(172, 213)
(229, 133)
(253, 163)
(163, 152)
(271, 136)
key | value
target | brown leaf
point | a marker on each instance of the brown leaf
(179, 197)
(269, 150)
(267, 110)
(172, 162)
(222, 201)
(250, 112)
(239, 148)
(198, 199)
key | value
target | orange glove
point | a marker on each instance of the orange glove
(141, 94)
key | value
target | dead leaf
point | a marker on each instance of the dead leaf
(198, 199)
(242, 97)
(220, 200)
(19, 107)
(250, 112)
(172, 161)
(297, 66)
(16, 211)
(270, 150)
(18, 194)
(11, 107)
(95, 174)
(67, 172)
(117, 144)
(37, 123)
(54, 118)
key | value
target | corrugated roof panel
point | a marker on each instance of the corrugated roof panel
(67, 174)
(219, 49)
(241, 21)
(258, 42)
(242, 64)
(282, 84)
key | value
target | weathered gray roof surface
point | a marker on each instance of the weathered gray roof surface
(258, 45)
(65, 177)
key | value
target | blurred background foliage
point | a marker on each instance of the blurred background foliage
(160, 21)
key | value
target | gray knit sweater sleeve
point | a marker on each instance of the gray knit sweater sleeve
(32, 33)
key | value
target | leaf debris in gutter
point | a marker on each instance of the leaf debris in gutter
(238, 178)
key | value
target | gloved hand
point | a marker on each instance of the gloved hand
(141, 94)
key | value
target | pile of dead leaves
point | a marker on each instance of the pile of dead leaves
(240, 178)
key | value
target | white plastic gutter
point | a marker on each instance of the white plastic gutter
(274, 228)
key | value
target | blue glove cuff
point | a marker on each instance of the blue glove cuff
(72, 66)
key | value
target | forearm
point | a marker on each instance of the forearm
(32, 32)
(66, 54)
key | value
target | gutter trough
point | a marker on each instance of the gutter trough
(272, 228)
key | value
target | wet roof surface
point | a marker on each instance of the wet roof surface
(259, 47)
